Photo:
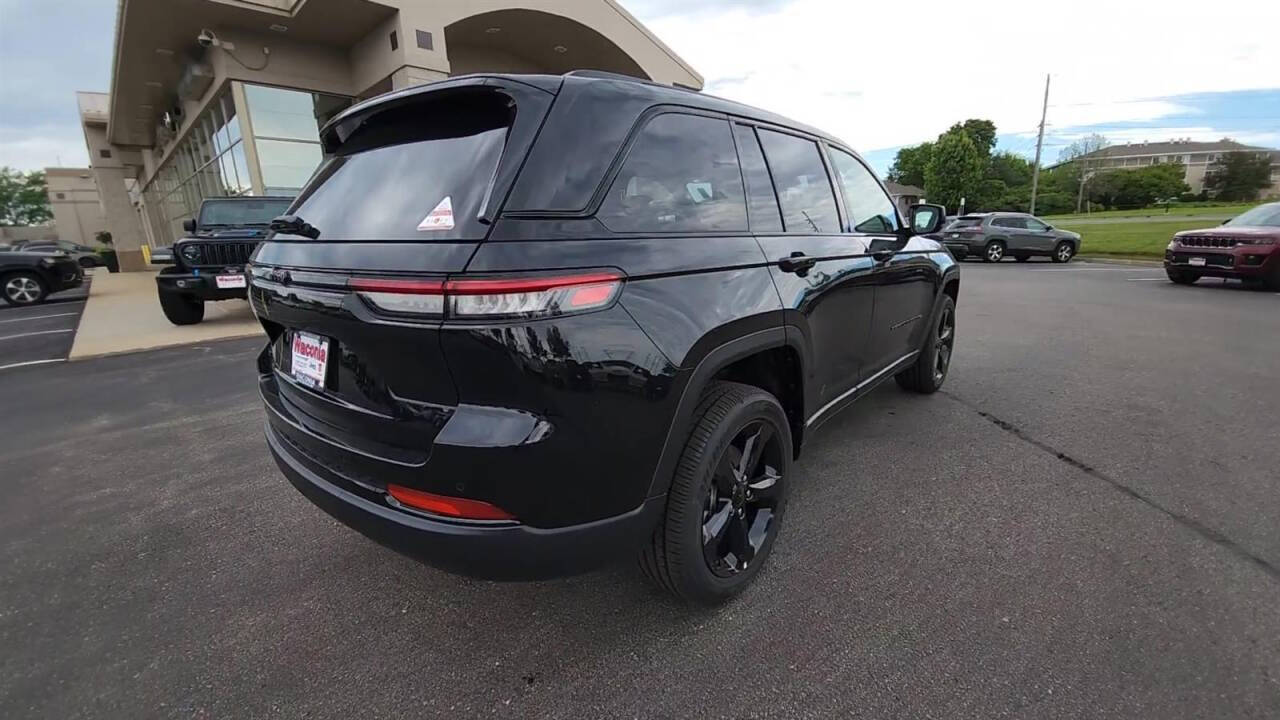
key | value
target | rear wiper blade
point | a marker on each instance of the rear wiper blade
(294, 225)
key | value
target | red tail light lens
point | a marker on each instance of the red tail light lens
(446, 505)
(492, 298)
(531, 297)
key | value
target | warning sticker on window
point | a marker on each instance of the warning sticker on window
(441, 218)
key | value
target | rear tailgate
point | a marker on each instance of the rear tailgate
(403, 198)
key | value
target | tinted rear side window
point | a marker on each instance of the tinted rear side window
(804, 190)
(762, 204)
(870, 209)
(965, 222)
(408, 165)
(681, 175)
(1008, 222)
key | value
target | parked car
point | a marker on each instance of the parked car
(992, 236)
(208, 264)
(1246, 247)
(521, 326)
(27, 278)
(85, 256)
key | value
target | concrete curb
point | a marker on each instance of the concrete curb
(1120, 261)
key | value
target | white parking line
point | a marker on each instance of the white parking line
(1143, 279)
(31, 362)
(42, 332)
(38, 317)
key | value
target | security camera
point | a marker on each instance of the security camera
(206, 38)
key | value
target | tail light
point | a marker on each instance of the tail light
(447, 505)
(492, 298)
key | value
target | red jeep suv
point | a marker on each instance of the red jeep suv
(1246, 247)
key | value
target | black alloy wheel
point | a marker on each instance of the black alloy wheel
(742, 500)
(946, 338)
(727, 497)
(930, 369)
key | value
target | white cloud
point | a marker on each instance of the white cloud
(886, 74)
(33, 148)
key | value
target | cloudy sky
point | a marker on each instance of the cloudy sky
(880, 75)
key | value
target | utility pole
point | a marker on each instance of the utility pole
(1035, 171)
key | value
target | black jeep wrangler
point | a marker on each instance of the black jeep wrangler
(208, 264)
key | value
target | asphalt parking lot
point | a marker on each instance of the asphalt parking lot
(1084, 523)
(42, 333)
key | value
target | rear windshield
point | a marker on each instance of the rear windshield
(418, 172)
(241, 212)
(964, 222)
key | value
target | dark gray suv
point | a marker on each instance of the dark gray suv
(992, 236)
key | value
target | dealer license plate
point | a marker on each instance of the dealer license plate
(226, 282)
(1196, 261)
(310, 359)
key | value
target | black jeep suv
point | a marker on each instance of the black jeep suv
(208, 264)
(521, 325)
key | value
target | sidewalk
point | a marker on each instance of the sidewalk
(123, 315)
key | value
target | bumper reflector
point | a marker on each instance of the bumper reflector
(447, 506)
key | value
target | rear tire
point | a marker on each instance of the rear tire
(23, 288)
(993, 252)
(712, 507)
(929, 371)
(1181, 277)
(181, 309)
(1063, 252)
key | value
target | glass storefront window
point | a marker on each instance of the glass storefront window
(211, 160)
(286, 166)
(277, 113)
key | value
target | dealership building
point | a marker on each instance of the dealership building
(214, 98)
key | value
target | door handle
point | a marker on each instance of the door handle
(882, 255)
(797, 263)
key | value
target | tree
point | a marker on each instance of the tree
(954, 170)
(909, 164)
(1136, 188)
(1080, 155)
(1238, 176)
(24, 198)
(981, 132)
(1010, 169)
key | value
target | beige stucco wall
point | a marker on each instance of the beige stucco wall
(73, 196)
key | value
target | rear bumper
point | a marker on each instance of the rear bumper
(494, 550)
(201, 286)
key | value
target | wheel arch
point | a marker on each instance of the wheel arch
(767, 359)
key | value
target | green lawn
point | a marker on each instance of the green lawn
(1128, 238)
(1220, 211)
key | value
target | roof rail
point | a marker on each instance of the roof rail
(605, 75)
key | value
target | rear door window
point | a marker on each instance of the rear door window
(1009, 222)
(681, 175)
(762, 203)
(804, 189)
(965, 222)
(870, 209)
(413, 173)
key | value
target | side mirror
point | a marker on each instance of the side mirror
(189, 225)
(924, 218)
